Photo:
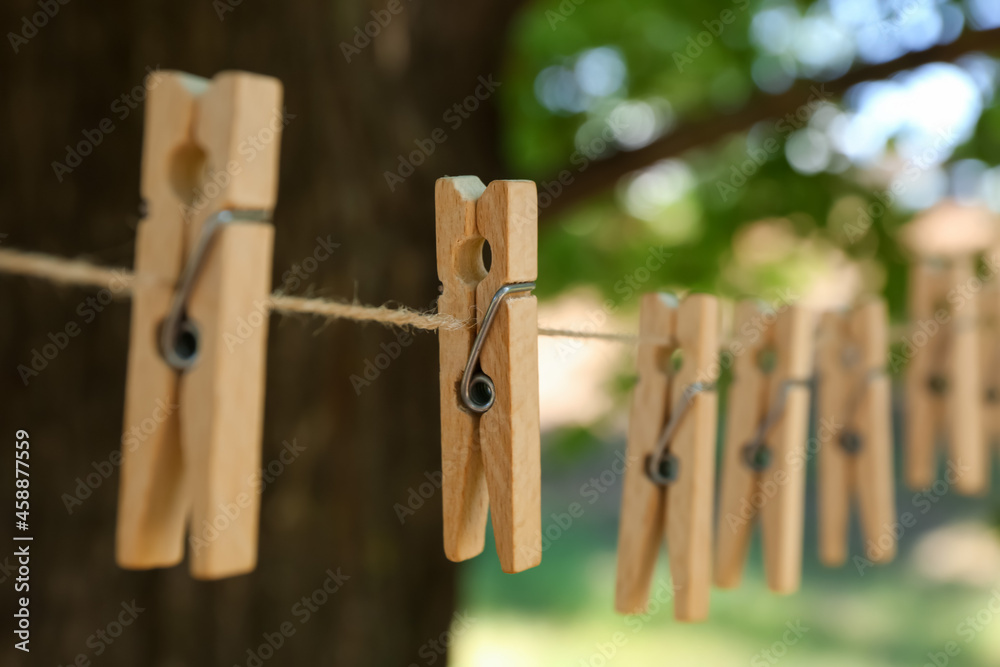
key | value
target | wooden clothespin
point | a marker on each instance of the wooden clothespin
(669, 478)
(944, 388)
(195, 387)
(489, 376)
(855, 432)
(989, 355)
(764, 464)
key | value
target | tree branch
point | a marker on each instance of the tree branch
(602, 174)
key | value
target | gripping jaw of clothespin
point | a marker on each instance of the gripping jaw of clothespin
(855, 432)
(764, 465)
(669, 475)
(490, 458)
(944, 386)
(192, 436)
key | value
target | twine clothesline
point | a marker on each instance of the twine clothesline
(78, 272)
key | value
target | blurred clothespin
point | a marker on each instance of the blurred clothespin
(669, 478)
(944, 390)
(855, 432)
(489, 379)
(944, 385)
(989, 357)
(195, 387)
(764, 464)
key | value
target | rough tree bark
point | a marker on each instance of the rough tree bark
(333, 507)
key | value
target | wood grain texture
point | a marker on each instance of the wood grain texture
(834, 481)
(783, 482)
(221, 397)
(747, 405)
(640, 525)
(460, 268)
(964, 400)
(989, 356)
(924, 410)
(689, 500)
(152, 505)
(507, 217)
(873, 466)
(854, 397)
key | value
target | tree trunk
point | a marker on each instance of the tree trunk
(365, 445)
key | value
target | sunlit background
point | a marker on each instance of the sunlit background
(818, 211)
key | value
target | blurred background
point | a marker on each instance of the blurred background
(770, 148)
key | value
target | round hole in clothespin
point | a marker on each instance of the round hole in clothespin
(757, 456)
(664, 471)
(767, 359)
(187, 165)
(992, 395)
(850, 442)
(669, 361)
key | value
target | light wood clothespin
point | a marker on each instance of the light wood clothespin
(489, 378)
(764, 464)
(195, 386)
(855, 432)
(989, 357)
(944, 389)
(669, 477)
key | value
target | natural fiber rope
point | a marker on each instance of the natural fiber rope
(79, 272)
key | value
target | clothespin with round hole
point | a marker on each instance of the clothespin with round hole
(670, 464)
(854, 426)
(490, 440)
(944, 385)
(195, 388)
(764, 464)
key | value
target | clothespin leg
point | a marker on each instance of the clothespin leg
(640, 527)
(689, 498)
(834, 481)
(737, 509)
(783, 513)
(153, 503)
(460, 269)
(507, 216)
